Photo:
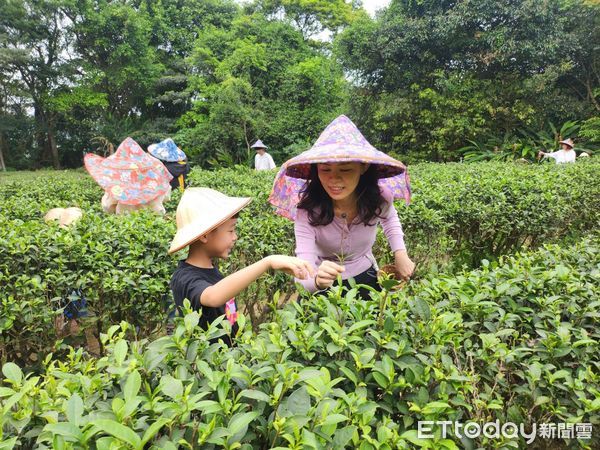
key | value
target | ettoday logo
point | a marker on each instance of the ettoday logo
(509, 430)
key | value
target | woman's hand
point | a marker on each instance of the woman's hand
(291, 265)
(327, 273)
(404, 266)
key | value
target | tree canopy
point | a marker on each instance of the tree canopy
(421, 79)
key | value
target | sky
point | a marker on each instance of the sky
(373, 5)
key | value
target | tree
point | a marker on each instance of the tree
(257, 78)
(35, 60)
(435, 73)
(311, 17)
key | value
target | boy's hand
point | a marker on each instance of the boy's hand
(327, 274)
(291, 265)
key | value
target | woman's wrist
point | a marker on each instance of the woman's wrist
(317, 283)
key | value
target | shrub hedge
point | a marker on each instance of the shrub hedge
(516, 341)
(460, 214)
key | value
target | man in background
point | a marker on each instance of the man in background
(262, 160)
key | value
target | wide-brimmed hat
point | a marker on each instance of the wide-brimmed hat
(130, 175)
(200, 211)
(568, 142)
(258, 144)
(64, 216)
(341, 141)
(167, 151)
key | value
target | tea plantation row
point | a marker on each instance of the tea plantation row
(514, 341)
(460, 213)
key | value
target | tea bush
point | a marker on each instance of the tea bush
(516, 340)
(460, 214)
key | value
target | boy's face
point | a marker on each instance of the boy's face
(222, 239)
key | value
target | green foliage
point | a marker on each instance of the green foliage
(256, 78)
(460, 214)
(590, 130)
(311, 16)
(523, 144)
(516, 341)
(422, 80)
(450, 72)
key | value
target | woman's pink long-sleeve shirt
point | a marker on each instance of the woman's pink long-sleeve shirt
(354, 241)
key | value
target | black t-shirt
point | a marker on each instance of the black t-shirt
(189, 282)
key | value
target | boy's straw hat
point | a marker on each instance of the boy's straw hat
(200, 211)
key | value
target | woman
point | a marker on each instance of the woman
(131, 179)
(349, 189)
(565, 155)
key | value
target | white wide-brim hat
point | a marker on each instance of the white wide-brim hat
(568, 142)
(200, 211)
(258, 145)
(64, 216)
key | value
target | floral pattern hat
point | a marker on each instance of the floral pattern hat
(341, 141)
(130, 175)
(167, 151)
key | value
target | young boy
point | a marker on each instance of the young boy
(206, 221)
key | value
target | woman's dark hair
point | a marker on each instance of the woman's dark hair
(315, 200)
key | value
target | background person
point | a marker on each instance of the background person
(262, 160)
(565, 155)
(131, 179)
(174, 159)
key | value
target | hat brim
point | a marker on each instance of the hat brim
(567, 143)
(387, 169)
(191, 232)
(136, 184)
(165, 154)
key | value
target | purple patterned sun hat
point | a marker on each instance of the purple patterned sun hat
(341, 141)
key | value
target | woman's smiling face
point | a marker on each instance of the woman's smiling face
(340, 179)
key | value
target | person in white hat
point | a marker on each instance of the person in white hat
(262, 160)
(565, 155)
(206, 223)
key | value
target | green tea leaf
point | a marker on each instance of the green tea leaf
(118, 431)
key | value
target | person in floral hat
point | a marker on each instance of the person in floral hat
(131, 179)
(337, 193)
(174, 159)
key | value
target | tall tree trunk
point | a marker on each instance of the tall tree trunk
(2, 166)
(591, 96)
(46, 137)
(40, 137)
(53, 147)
